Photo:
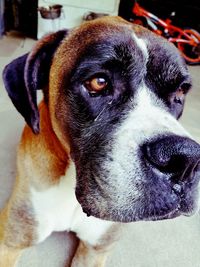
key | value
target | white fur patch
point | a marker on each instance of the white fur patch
(56, 209)
(142, 45)
(148, 118)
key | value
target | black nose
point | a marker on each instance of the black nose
(173, 154)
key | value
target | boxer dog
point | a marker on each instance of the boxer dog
(104, 146)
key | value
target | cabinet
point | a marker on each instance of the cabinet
(20, 16)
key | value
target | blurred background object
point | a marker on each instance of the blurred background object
(26, 16)
(2, 29)
(21, 16)
(185, 13)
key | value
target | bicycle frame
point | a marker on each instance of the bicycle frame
(173, 33)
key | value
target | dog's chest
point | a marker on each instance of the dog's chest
(56, 209)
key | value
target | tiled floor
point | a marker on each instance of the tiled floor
(173, 243)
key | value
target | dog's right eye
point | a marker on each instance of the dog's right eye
(97, 85)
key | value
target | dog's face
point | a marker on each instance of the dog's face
(115, 93)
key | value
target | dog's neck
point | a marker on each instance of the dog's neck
(48, 135)
(46, 148)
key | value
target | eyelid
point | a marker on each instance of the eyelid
(185, 87)
(98, 75)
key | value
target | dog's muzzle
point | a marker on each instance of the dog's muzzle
(176, 159)
(162, 184)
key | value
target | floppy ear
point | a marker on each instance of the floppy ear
(24, 75)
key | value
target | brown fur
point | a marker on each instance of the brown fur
(46, 148)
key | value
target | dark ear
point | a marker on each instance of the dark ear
(24, 75)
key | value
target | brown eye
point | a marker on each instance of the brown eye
(96, 85)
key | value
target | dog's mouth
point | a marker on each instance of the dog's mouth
(148, 195)
(184, 205)
(170, 215)
(184, 202)
(184, 194)
(179, 211)
(153, 216)
(176, 201)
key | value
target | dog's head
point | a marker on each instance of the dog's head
(115, 91)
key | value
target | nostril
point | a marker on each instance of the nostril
(195, 168)
(165, 162)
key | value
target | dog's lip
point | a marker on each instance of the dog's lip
(170, 215)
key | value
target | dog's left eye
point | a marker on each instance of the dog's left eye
(96, 85)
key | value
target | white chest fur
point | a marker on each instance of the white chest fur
(56, 209)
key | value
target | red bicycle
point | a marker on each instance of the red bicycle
(186, 40)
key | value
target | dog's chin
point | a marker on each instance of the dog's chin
(171, 215)
(134, 215)
(130, 218)
(167, 204)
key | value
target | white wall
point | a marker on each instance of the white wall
(73, 11)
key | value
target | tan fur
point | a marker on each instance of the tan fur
(46, 148)
(8, 256)
(89, 256)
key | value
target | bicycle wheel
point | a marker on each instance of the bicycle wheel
(190, 52)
